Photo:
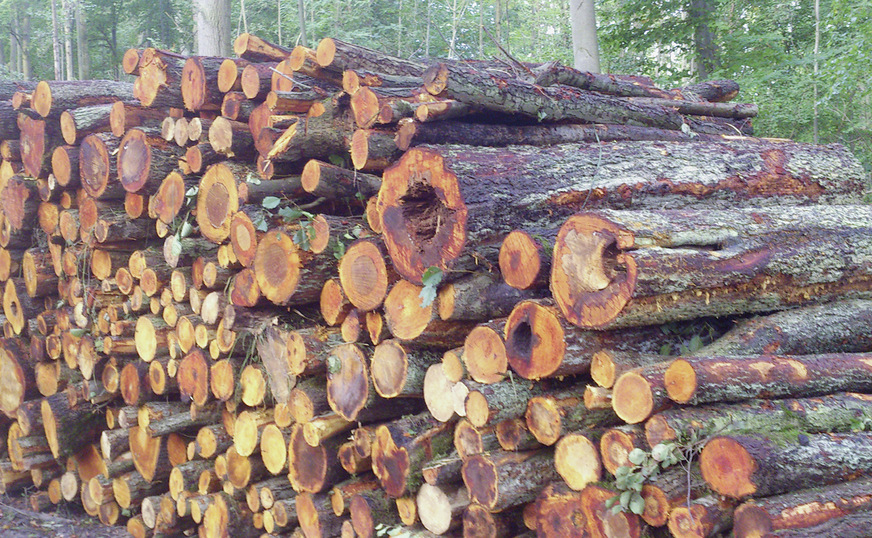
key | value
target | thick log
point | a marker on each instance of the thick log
(257, 80)
(199, 83)
(292, 274)
(803, 510)
(428, 131)
(78, 123)
(51, 98)
(144, 160)
(641, 392)
(255, 49)
(500, 480)
(831, 413)
(833, 327)
(577, 458)
(408, 319)
(698, 380)
(617, 443)
(338, 56)
(706, 516)
(492, 403)
(312, 469)
(762, 464)
(558, 512)
(160, 75)
(540, 342)
(68, 429)
(217, 201)
(39, 139)
(17, 377)
(401, 448)
(696, 266)
(441, 509)
(399, 370)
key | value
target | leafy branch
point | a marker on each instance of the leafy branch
(431, 280)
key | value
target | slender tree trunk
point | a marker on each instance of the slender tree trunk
(56, 43)
(427, 34)
(67, 13)
(585, 48)
(703, 38)
(480, 32)
(25, 46)
(400, 29)
(301, 14)
(817, 44)
(244, 18)
(14, 64)
(498, 23)
(84, 56)
(279, 19)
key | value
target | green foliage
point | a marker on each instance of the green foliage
(431, 279)
(645, 466)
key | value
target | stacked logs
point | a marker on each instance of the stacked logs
(339, 293)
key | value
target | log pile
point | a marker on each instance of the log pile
(333, 292)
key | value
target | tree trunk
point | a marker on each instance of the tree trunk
(213, 28)
(585, 48)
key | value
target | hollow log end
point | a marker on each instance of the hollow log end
(534, 340)
(591, 278)
(728, 467)
(423, 216)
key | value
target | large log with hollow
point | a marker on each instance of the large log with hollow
(769, 463)
(624, 268)
(472, 211)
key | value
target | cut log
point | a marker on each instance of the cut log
(696, 264)
(364, 274)
(706, 516)
(641, 392)
(338, 56)
(51, 98)
(500, 480)
(68, 429)
(78, 123)
(617, 443)
(200, 83)
(255, 49)
(558, 512)
(144, 160)
(489, 404)
(833, 327)
(541, 343)
(408, 319)
(481, 296)
(398, 370)
(762, 464)
(698, 380)
(335, 183)
(802, 510)
(549, 416)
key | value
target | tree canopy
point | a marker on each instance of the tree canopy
(768, 47)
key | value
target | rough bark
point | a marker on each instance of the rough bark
(697, 266)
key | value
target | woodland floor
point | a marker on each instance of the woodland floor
(17, 520)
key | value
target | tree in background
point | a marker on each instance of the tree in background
(585, 48)
(213, 27)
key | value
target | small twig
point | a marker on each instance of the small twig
(312, 204)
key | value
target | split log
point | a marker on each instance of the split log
(697, 267)
(762, 464)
